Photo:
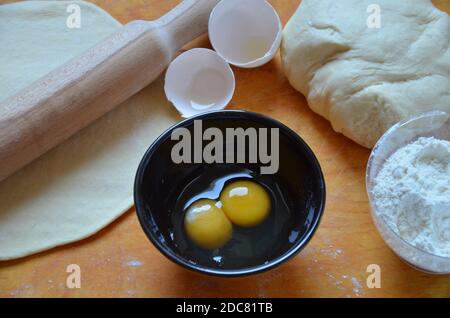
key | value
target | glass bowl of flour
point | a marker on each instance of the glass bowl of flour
(408, 184)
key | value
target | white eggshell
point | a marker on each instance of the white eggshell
(246, 33)
(199, 80)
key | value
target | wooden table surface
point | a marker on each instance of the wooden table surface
(120, 262)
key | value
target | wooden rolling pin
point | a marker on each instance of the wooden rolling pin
(71, 97)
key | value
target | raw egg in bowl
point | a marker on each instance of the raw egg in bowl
(229, 193)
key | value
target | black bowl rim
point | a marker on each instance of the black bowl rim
(177, 259)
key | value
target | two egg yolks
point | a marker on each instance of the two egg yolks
(244, 203)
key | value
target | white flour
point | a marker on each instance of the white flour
(412, 194)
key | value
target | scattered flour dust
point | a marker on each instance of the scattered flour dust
(331, 252)
(357, 286)
(134, 263)
(412, 194)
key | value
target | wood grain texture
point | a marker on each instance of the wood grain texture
(120, 262)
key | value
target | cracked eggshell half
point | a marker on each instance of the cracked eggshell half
(246, 33)
(199, 80)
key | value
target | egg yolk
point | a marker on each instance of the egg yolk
(206, 224)
(245, 203)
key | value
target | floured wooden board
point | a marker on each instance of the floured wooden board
(120, 261)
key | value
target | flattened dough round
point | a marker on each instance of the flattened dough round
(82, 185)
(363, 80)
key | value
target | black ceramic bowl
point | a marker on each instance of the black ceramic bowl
(159, 181)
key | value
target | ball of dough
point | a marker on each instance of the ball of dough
(245, 203)
(206, 224)
(364, 79)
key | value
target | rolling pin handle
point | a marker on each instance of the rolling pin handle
(66, 100)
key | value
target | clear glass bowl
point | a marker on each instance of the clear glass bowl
(431, 124)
